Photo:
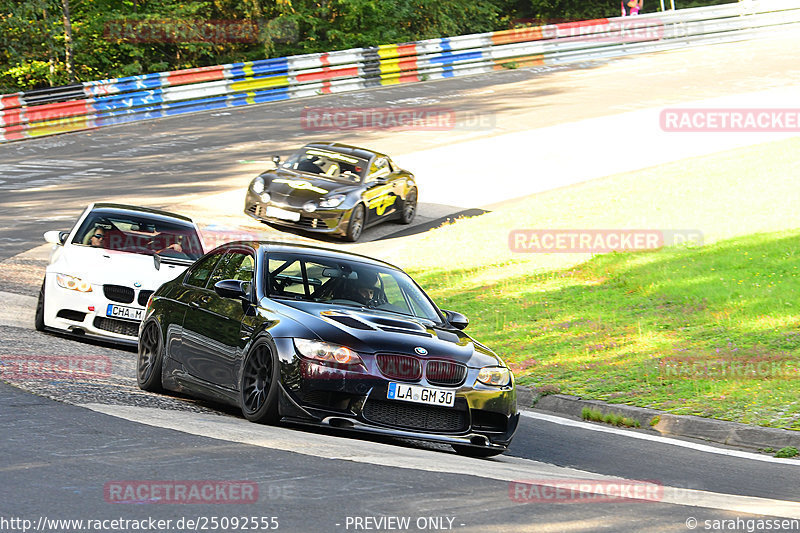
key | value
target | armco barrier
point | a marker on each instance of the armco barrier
(100, 103)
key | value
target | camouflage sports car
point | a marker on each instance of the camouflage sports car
(333, 188)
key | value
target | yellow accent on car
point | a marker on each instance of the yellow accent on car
(381, 203)
(299, 184)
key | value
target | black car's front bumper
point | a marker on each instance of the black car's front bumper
(330, 221)
(313, 393)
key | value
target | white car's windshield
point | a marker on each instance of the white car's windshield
(139, 234)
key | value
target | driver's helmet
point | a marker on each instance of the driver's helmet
(365, 286)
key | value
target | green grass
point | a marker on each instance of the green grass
(614, 419)
(711, 331)
(789, 451)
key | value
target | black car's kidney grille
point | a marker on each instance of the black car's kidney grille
(417, 417)
(143, 297)
(445, 373)
(118, 293)
(123, 327)
(402, 367)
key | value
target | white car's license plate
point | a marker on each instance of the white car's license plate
(127, 313)
(418, 394)
(283, 214)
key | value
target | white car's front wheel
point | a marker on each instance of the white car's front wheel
(38, 320)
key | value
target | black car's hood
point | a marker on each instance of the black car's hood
(296, 188)
(372, 331)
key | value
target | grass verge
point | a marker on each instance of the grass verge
(711, 331)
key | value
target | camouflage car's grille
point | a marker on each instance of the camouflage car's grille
(118, 293)
(416, 417)
(445, 373)
(402, 367)
(122, 327)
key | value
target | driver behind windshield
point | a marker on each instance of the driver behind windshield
(364, 289)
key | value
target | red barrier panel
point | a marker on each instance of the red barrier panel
(195, 75)
(59, 110)
(10, 100)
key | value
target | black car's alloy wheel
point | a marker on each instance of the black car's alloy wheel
(259, 385)
(148, 367)
(356, 224)
(409, 207)
(38, 320)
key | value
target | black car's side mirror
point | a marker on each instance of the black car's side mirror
(232, 288)
(276, 159)
(457, 320)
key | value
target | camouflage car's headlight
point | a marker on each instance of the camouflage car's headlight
(72, 283)
(258, 185)
(334, 201)
(497, 376)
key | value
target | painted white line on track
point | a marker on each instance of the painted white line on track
(502, 468)
(656, 438)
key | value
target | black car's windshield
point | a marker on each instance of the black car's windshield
(328, 164)
(347, 283)
(139, 233)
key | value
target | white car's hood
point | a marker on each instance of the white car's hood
(101, 267)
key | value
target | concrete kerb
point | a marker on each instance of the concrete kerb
(718, 431)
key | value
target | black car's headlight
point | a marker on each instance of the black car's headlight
(326, 352)
(258, 185)
(332, 201)
(497, 376)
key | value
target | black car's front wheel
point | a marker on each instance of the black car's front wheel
(259, 384)
(356, 224)
(409, 207)
(148, 365)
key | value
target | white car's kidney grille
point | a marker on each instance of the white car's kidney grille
(118, 293)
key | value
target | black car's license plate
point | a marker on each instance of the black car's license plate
(419, 394)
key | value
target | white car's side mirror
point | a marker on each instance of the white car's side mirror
(55, 237)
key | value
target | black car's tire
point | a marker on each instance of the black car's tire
(409, 207)
(150, 358)
(258, 386)
(38, 319)
(472, 451)
(356, 225)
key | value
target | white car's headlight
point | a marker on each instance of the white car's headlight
(258, 185)
(334, 201)
(326, 352)
(72, 283)
(497, 376)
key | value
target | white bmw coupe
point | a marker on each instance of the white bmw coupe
(103, 271)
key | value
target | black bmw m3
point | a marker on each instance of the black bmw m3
(306, 334)
(333, 188)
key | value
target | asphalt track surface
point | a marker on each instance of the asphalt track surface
(57, 456)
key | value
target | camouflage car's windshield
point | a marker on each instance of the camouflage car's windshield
(329, 164)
